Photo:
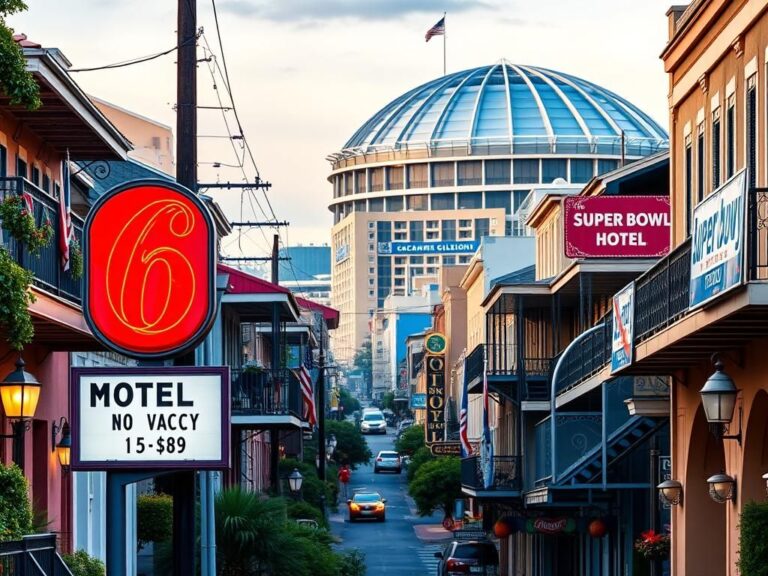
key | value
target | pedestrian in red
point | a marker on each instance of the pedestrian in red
(344, 475)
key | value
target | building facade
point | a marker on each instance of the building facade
(451, 161)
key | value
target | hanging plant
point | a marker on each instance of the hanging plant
(75, 259)
(14, 306)
(20, 223)
(653, 546)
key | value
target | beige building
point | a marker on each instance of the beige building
(451, 161)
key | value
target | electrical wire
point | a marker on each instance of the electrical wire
(139, 60)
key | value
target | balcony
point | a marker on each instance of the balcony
(507, 477)
(503, 369)
(266, 398)
(46, 266)
(588, 357)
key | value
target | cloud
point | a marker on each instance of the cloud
(309, 10)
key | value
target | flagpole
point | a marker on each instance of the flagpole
(445, 38)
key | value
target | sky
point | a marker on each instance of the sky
(305, 74)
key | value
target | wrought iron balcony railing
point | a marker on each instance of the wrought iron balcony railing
(46, 266)
(35, 554)
(507, 473)
(265, 392)
(588, 357)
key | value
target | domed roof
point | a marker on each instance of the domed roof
(508, 104)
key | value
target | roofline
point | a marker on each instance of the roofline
(41, 61)
(130, 112)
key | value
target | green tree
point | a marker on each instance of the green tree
(154, 518)
(349, 402)
(15, 508)
(388, 401)
(363, 361)
(437, 485)
(15, 81)
(351, 447)
(410, 440)
(419, 458)
(753, 544)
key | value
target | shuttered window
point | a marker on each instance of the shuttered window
(730, 137)
(751, 130)
(700, 162)
(715, 148)
(688, 183)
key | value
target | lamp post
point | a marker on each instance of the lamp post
(331, 444)
(295, 480)
(670, 492)
(718, 397)
(19, 393)
(64, 448)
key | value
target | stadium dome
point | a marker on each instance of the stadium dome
(513, 109)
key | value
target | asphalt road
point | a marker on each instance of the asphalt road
(390, 547)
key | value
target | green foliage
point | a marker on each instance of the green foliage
(15, 81)
(437, 485)
(419, 458)
(388, 401)
(351, 447)
(14, 306)
(349, 402)
(753, 544)
(352, 563)
(82, 564)
(154, 519)
(304, 510)
(15, 508)
(75, 259)
(410, 440)
(20, 224)
(312, 488)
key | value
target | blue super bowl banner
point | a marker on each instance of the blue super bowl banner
(623, 341)
(717, 243)
(445, 247)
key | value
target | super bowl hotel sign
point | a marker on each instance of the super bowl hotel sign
(150, 292)
(616, 226)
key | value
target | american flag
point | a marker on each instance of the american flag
(466, 447)
(436, 30)
(65, 215)
(307, 394)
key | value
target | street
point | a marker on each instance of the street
(390, 547)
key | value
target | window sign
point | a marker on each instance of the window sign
(623, 343)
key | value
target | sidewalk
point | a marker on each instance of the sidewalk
(432, 532)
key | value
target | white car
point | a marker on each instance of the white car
(373, 423)
(387, 460)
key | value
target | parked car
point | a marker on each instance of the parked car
(403, 426)
(367, 505)
(387, 460)
(468, 557)
(373, 423)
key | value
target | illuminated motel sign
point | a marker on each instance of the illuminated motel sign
(435, 417)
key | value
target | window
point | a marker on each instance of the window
(400, 225)
(443, 202)
(553, 168)
(449, 230)
(360, 180)
(464, 259)
(582, 170)
(371, 270)
(376, 205)
(432, 235)
(3, 161)
(21, 167)
(751, 130)
(371, 282)
(401, 236)
(418, 202)
(606, 165)
(482, 227)
(442, 174)
(431, 270)
(395, 178)
(417, 271)
(499, 200)
(526, 171)
(730, 137)
(337, 186)
(36, 176)
(371, 236)
(470, 200)
(470, 173)
(449, 260)
(399, 281)
(465, 234)
(688, 159)
(47, 183)
(371, 225)
(700, 163)
(432, 260)
(716, 148)
(360, 206)
(417, 259)
(417, 231)
(384, 231)
(465, 223)
(377, 179)
(370, 247)
(433, 224)
(399, 260)
(417, 176)
(498, 172)
(395, 204)
(399, 271)
(518, 196)
(371, 293)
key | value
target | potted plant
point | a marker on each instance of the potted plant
(652, 545)
(20, 223)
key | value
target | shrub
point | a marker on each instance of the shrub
(753, 544)
(298, 510)
(437, 485)
(82, 564)
(410, 440)
(15, 509)
(351, 447)
(352, 563)
(420, 457)
(154, 518)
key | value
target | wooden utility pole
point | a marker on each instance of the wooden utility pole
(275, 259)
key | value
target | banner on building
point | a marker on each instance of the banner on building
(717, 241)
(616, 226)
(418, 401)
(342, 253)
(623, 342)
(445, 247)
(150, 418)
(435, 421)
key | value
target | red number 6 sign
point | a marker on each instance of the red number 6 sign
(149, 269)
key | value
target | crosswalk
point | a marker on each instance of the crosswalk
(426, 554)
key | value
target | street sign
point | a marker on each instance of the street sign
(150, 418)
(435, 343)
(445, 449)
(150, 258)
(418, 401)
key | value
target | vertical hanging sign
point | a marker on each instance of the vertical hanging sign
(623, 341)
(150, 269)
(435, 421)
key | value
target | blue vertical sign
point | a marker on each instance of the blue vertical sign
(623, 341)
(717, 241)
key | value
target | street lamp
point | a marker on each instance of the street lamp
(722, 488)
(295, 479)
(19, 394)
(64, 447)
(331, 444)
(719, 400)
(670, 492)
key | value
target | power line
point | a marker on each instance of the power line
(139, 60)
